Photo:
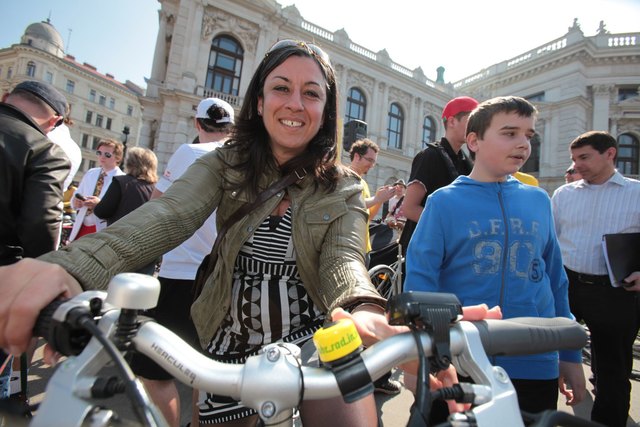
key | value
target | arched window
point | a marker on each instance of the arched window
(31, 69)
(428, 130)
(356, 106)
(396, 123)
(628, 154)
(533, 164)
(225, 66)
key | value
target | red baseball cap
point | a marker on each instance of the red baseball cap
(459, 105)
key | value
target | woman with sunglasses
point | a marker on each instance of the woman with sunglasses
(92, 188)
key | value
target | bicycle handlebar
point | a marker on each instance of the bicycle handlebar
(278, 364)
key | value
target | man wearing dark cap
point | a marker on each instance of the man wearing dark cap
(32, 172)
(438, 164)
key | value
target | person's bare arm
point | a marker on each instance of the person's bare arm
(411, 205)
(382, 195)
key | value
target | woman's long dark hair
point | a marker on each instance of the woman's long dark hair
(250, 135)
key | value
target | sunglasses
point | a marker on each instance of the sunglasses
(106, 154)
(370, 160)
(311, 48)
(570, 172)
(59, 122)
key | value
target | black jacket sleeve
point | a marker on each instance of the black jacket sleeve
(109, 203)
(41, 210)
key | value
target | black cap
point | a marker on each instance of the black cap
(47, 93)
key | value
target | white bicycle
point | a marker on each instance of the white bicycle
(96, 328)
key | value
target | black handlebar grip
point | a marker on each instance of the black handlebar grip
(529, 335)
(44, 324)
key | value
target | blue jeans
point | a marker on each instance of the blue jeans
(5, 376)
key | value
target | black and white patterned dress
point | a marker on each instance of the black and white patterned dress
(271, 305)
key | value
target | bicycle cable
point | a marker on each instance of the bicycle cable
(422, 405)
(138, 401)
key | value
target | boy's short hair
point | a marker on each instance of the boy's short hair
(361, 147)
(480, 118)
(599, 140)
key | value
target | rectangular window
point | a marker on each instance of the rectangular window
(129, 110)
(89, 117)
(99, 119)
(71, 86)
(626, 93)
(108, 125)
(92, 164)
(112, 103)
(85, 140)
(102, 100)
(92, 95)
(536, 97)
(96, 141)
(48, 76)
(9, 72)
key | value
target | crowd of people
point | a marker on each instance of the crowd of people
(298, 257)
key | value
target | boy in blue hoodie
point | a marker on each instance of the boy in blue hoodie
(490, 239)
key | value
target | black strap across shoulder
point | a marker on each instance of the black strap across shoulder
(443, 152)
(210, 260)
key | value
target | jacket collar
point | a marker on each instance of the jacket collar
(12, 111)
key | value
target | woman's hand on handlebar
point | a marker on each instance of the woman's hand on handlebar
(373, 326)
(26, 288)
(371, 323)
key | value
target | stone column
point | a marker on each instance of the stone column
(157, 69)
(601, 101)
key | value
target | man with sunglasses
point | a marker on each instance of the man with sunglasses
(93, 186)
(32, 171)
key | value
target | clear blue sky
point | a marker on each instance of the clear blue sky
(464, 36)
(115, 36)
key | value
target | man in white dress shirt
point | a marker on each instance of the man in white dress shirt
(602, 202)
(92, 188)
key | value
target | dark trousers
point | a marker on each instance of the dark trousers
(612, 316)
(535, 396)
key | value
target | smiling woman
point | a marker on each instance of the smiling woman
(292, 104)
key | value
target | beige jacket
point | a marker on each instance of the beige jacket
(328, 234)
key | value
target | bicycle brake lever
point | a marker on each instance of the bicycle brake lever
(430, 311)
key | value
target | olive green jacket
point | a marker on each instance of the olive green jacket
(328, 232)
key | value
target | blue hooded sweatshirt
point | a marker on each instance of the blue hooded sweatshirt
(494, 243)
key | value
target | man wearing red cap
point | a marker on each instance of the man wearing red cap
(437, 165)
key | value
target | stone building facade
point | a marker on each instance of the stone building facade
(211, 47)
(101, 106)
